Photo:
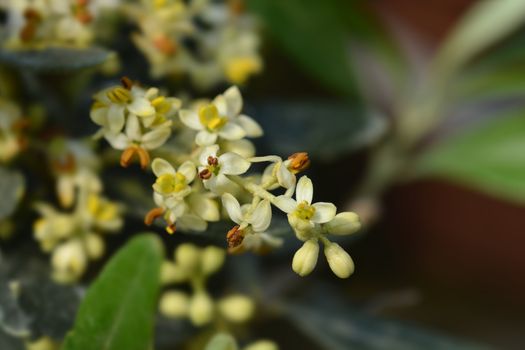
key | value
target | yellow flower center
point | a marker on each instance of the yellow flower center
(210, 118)
(119, 95)
(101, 209)
(304, 211)
(169, 183)
(238, 70)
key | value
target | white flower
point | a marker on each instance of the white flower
(213, 169)
(221, 119)
(259, 218)
(170, 182)
(302, 214)
(69, 261)
(134, 136)
(305, 258)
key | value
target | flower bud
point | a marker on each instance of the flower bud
(305, 258)
(95, 246)
(262, 345)
(237, 308)
(201, 309)
(212, 259)
(69, 261)
(298, 162)
(340, 262)
(172, 273)
(187, 256)
(43, 343)
(174, 304)
(343, 224)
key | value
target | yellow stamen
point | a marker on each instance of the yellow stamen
(304, 211)
(119, 95)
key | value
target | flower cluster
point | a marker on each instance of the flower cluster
(194, 266)
(209, 169)
(42, 23)
(74, 237)
(207, 40)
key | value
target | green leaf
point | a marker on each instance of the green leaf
(12, 188)
(119, 308)
(490, 157)
(315, 34)
(476, 32)
(222, 341)
(324, 129)
(54, 59)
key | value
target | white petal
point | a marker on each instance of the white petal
(191, 119)
(233, 208)
(99, 115)
(324, 212)
(206, 208)
(141, 107)
(232, 131)
(156, 138)
(188, 170)
(222, 106)
(262, 216)
(117, 141)
(250, 126)
(233, 101)
(205, 138)
(192, 222)
(284, 203)
(161, 167)
(242, 147)
(220, 184)
(207, 152)
(304, 190)
(133, 128)
(116, 118)
(233, 164)
(285, 178)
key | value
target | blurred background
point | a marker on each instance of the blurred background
(413, 114)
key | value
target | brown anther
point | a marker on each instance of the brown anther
(152, 215)
(144, 157)
(234, 237)
(171, 229)
(298, 162)
(213, 161)
(237, 7)
(84, 16)
(165, 45)
(126, 156)
(205, 174)
(126, 82)
(65, 164)
(27, 33)
(32, 15)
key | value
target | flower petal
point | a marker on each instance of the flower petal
(156, 138)
(207, 152)
(304, 190)
(220, 184)
(221, 104)
(233, 208)
(161, 166)
(116, 118)
(285, 178)
(262, 216)
(118, 141)
(232, 131)
(188, 170)
(233, 164)
(242, 147)
(141, 107)
(191, 119)
(192, 222)
(233, 101)
(205, 138)
(250, 126)
(204, 207)
(324, 212)
(133, 128)
(285, 203)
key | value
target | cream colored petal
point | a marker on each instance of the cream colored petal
(141, 107)
(191, 119)
(284, 203)
(233, 101)
(285, 178)
(324, 212)
(206, 208)
(133, 130)
(304, 190)
(205, 138)
(161, 166)
(188, 170)
(155, 138)
(117, 141)
(99, 116)
(192, 222)
(207, 152)
(242, 147)
(232, 131)
(233, 164)
(116, 118)
(250, 126)
(222, 106)
(233, 208)
(262, 216)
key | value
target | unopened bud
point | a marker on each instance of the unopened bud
(262, 345)
(237, 308)
(172, 273)
(212, 259)
(298, 162)
(343, 223)
(305, 258)
(234, 237)
(69, 261)
(95, 246)
(174, 304)
(339, 260)
(188, 256)
(201, 309)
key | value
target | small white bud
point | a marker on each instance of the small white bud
(43, 343)
(95, 246)
(212, 259)
(187, 256)
(172, 273)
(69, 261)
(262, 345)
(305, 258)
(237, 308)
(174, 304)
(340, 262)
(201, 309)
(343, 224)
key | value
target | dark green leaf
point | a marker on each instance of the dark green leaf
(12, 188)
(54, 59)
(490, 157)
(324, 129)
(119, 309)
